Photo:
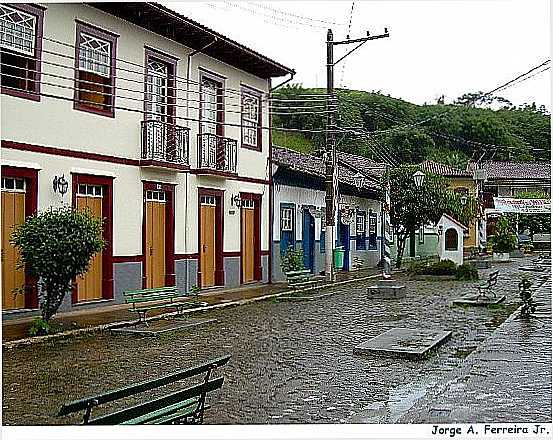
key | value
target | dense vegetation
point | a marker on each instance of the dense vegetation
(450, 134)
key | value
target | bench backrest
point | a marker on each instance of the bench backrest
(295, 274)
(154, 294)
(83, 404)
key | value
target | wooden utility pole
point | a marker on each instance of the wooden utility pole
(330, 153)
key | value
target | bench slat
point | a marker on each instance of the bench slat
(157, 417)
(79, 405)
(150, 290)
(153, 405)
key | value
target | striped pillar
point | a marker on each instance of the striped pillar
(387, 234)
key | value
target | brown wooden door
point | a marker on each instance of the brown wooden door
(89, 285)
(13, 279)
(248, 241)
(207, 241)
(155, 243)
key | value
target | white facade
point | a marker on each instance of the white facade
(299, 198)
(57, 139)
(450, 239)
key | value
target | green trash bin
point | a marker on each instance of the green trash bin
(339, 258)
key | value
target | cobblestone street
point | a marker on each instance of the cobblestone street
(508, 379)
(293, 362)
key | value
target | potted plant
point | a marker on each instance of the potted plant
(503, 241)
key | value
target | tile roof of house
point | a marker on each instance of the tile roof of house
(170, 24)
(443, 170)
(362, 164)
(314, 165)
(514, 170)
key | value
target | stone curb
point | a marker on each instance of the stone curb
(38, 339)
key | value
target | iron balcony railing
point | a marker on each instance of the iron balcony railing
(165, 142)
(217, 153)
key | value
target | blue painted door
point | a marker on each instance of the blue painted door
(344, 240)
(308, 240)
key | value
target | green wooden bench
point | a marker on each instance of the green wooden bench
(185, 406)
(158, 298)
(301, 279)
(487, 286)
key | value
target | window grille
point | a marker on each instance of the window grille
(13, 184)
(90, 190)
(250, 118)
(286, 217)
(360, 224)
(207, 200)
(155, 196)
(17, 30)
(157, 89)
(209, 106)
(95, 55)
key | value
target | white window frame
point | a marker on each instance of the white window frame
(156, 196)
(16, 29)
(251, 111)
(15, 183)
(95, 60)
(360, 227)
(86, 190)
(286, 219)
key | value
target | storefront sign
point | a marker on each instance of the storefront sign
(522, 206)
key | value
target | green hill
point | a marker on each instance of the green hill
(409, 133)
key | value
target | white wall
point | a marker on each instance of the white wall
(457, 255)
(54, 123)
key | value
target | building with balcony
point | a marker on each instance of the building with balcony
(156, 123)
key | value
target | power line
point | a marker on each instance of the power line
(153, 113)
(295, 15)
(348, 34)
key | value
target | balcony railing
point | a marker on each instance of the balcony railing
(164, 143)
(217, 153)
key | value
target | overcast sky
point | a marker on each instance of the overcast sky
(435, 47)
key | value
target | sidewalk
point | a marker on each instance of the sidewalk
(17, 328)
(508, 379)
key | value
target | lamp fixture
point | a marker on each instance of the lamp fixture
(463, 200)
(60, 184)
(418, 177)
(359, 180)
(236, 200)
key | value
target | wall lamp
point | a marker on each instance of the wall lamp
(60, 184)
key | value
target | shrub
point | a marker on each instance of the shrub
(39, 327)
(292, 260)
(443, 267)
(466, 272)
(56, 247)
(503, 240)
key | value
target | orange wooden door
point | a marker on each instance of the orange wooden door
(248, 241)
(155, 244)
(207, 242)
(13, 279)
(89, 285)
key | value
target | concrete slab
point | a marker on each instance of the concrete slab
(535, 268)
(473, 300)
(481, 264)
(404, 342)
(156, 328)
(386, 289)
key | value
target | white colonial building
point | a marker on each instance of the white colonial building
(153, 121)
(299, 208)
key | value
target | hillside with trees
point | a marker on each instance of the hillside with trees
(379, 126)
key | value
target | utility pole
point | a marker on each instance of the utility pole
(330, 153)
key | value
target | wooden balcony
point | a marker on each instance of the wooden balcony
(165, 145)
(216, 154)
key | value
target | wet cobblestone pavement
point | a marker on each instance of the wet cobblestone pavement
(292, 362)
(508, 379)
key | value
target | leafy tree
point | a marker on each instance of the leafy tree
(504, 240)
(413, 207)
(57, 246)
